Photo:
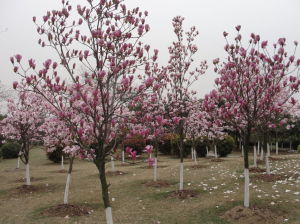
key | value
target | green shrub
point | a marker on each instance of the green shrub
(225, 146)
(55, 155)
(169, 145)
(298, 148)
(200, 147)
(10, 150)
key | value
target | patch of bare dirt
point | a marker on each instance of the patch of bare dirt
(198, 166)
(257, 170)
(29, 189)
(217, 160)
(183, 194)
(269, 178)
(32, 179)
(115, 173)
(242, 215)
(157, 184)
(63, 210)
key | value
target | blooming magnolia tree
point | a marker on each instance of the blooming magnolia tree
(180, 77)
(250, 79)
(150, 116)
(24, 118)
(58, 135)
(105, 39)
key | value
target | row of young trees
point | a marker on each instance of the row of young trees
(124, 90)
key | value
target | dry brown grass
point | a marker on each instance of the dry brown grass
(219, 186)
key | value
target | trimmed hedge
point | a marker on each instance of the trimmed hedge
(55, 155)
(225, 146)
(169, 146)
(10, 150)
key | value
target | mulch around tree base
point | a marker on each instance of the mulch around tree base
(269, 178)
(242, 215)
(257, 170)
(32, 179)
(183, 194)
(197, 166)
(217, 160)
(157, 184)
(63, 210)
(115, 173)
(29, 189)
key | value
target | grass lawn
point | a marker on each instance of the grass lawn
(219, 184)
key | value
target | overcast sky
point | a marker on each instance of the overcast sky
(269, 18)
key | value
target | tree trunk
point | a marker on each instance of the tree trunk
(27, 174)
(195, 156)
(18, 162)
(242, 150)
(206, 151)
(181, 177)
(113, 168)
(123, 156)
(246, 168)
(155, 170)
(258, 149)
(276, 148)
(62, 162)
(267, 160)
(216, 153)
(100, 163)
(66, 195)
(254, 157)
(155, 161)
(262, 153)
(181, 155)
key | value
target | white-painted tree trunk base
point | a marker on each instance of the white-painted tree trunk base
(195, 156)
(155, 170)
(276, 148)
(192, 152)
(268, 165)
(27, 175)
(258, 148)
(262, 154)
(246, 189)
(66, 195)
(242, 151)
(18, 163)
(62, 162)
(206, 151)
(150, 156)
(268, 150)
(112, 164)
(216, 154)
(181, 177)
(123, 156)
(254, 157)
(108, 214)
